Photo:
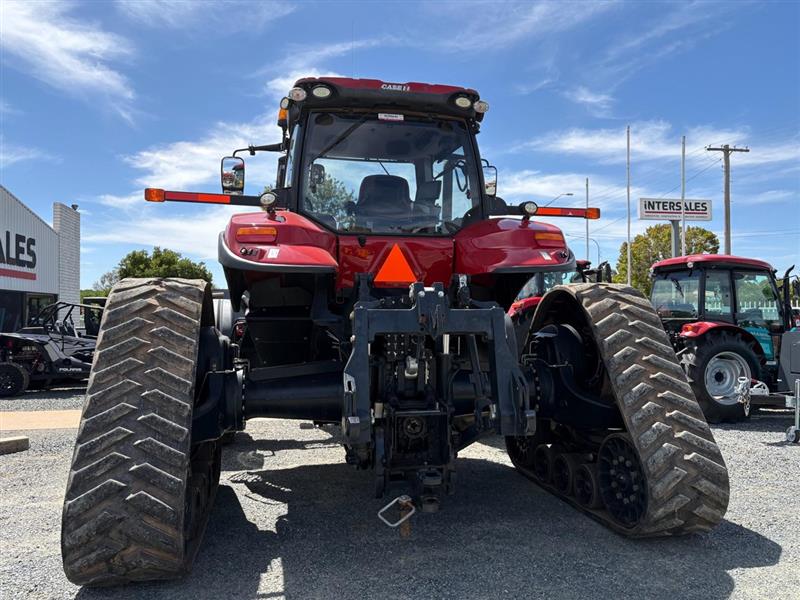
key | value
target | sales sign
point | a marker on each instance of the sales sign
(666, 209)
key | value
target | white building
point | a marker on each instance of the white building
(39, 264)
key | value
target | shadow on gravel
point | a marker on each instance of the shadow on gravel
(247, 452)
(499, 536)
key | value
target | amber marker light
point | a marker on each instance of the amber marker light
(154, 195)
(256, 234)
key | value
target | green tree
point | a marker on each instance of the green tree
(654, 245)
(92, 293)
(161, 263)
(331, 197)
(103, 285)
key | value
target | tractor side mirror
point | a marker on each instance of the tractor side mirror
(232, 175)
(490, 179)
(606, 269)
(316, 176)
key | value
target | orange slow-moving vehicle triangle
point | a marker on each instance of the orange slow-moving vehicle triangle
(395, 268)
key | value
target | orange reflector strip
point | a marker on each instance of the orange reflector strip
(198, 197)
(256, 234)
(154, 195)
(548, 235)
(395, 268)
(555, 211)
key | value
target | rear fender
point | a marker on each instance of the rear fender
(697, 330)
(298, 245)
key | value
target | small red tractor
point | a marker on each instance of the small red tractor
(376, 279)
(730, 326)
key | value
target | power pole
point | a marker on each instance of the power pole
(683, 196)
(587, 220)
(628, 168)
(726, 155)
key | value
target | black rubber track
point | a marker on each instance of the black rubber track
(125, 505)
(687, 481)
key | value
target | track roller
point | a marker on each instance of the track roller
(587, 489)
(563, 474)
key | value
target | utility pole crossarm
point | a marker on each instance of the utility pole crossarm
(726, 150)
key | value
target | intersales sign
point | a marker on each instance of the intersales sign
(666, 209)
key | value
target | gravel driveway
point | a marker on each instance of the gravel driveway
(292, 520)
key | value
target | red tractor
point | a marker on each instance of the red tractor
(377, 277)
(730, 326)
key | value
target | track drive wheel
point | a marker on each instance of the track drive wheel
(13, 379)
(139, 491)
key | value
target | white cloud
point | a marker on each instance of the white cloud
(304, 61)
(493, 25)
(597, 103)
(121, 202)
(192, 232)
(187, 164)
(225, 16)
(767, 197)
(43, 40)
(655, 140)
(667, 34)
(11, 154)
(7, 109)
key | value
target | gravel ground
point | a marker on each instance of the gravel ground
(292, 520)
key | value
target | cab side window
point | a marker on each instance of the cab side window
(756, 301)
(718, 298)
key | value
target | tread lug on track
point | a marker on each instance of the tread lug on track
(124, 510)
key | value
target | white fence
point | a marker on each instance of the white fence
(769, 309)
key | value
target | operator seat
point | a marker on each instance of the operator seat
(382, 199)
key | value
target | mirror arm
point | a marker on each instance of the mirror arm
(279, 147)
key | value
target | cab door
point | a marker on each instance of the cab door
(758, 308)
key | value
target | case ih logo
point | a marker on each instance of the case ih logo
(17, 251)
(395, 87)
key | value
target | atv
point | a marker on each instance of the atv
(51, 349)
(730, 325)
(377, 278)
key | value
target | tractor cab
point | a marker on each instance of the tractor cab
(727, 320)
(693, 294)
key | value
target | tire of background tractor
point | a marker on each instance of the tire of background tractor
(712, 365)
(667, 441)
(14, 379)
(139, 492)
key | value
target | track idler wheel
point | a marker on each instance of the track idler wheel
(622, 481)
(586, 486)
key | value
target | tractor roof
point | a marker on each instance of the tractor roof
(369, 93)
(725, 260)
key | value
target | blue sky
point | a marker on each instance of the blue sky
(101, 99)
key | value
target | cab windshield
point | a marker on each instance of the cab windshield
(675, 294)
(387, 173)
